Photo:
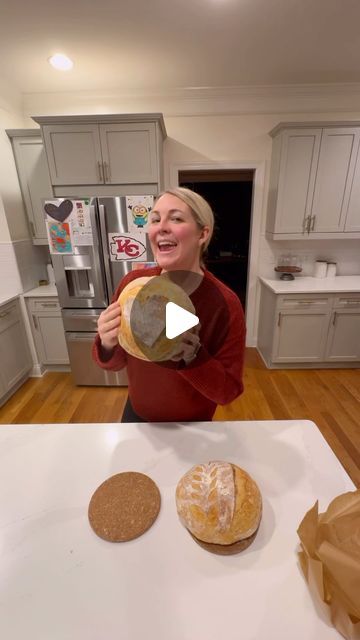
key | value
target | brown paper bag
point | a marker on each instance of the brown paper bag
(330, 560)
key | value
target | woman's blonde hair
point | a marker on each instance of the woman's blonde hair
(200, 209)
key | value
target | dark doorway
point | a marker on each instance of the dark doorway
(230, 193)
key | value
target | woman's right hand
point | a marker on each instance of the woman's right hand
(109, 325)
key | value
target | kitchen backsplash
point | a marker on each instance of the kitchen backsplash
(346, 253)
(10, 282)
(22, 265)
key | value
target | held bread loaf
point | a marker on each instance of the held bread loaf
(220, 505)
(143, 312)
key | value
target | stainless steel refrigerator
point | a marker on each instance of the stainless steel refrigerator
(93, 243)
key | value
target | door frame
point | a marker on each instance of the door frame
(253, 284)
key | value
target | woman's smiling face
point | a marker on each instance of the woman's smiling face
(174, 235)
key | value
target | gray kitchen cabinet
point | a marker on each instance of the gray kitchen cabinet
(15, 358)
(312, 191)
(34, 179)
(129, 152)
(73, 153)
(338, 152)
(48, 330)
(352, 220)
(301, 329)
(104, 150)
(293, 170)
(309, 329)
(343, 344)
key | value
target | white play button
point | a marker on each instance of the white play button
(178, 320)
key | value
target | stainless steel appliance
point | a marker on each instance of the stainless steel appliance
(89, 270)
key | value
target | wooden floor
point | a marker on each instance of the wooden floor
(329, 397)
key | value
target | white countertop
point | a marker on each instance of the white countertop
(59, 580)
(47, 290)
(307, 284)
(4, 298)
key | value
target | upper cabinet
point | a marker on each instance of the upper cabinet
(104, 150)
(34, 179)
(314, 182)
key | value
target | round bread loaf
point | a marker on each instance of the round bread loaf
(143, 312)
(220, 505)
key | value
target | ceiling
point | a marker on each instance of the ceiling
(163, 44)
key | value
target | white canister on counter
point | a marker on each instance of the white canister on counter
(331, 270)
(320, 269)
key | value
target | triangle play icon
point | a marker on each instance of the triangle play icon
(178, 320)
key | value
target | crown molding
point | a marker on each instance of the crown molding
(190, 101)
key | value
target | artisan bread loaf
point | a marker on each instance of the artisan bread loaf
(220, 504)
(143, 313)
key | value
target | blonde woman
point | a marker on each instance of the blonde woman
(208, 367)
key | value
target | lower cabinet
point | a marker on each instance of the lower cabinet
(311, 328)
(343, 344)
(48, 330)
(15, 357)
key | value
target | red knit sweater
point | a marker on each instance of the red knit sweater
(160, 393)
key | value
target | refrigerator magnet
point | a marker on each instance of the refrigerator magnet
(126, 246)
(59, 236)
(138, 209)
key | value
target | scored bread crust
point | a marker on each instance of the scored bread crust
(219, 503)
(165, 291)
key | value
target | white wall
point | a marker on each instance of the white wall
(219, 128)
(11, 117)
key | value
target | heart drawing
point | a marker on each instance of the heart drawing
(61, 212)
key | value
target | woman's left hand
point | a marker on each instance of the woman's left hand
(189, 346)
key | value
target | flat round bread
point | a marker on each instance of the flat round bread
(142, 330)
(124, 506)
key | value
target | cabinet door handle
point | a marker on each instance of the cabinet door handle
(107, 172)
(101, 174)
(35, 322)
(279, 319)
(312, 223)
(3, 314)
(334, 318)
(305, 223)
(32, 228)
(49, 304)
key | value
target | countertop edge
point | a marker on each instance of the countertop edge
(339, 284)
(48, 290)
(8, 298)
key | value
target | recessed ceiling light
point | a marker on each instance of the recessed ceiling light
(61, 62)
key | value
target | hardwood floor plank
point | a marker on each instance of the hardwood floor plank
(336, 385)
(351, 448)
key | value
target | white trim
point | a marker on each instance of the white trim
(37, 371)
(35, 360)
(182, 101)
(253, 290)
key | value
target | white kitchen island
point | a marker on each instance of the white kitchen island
(59, 581)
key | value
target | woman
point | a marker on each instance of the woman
(208, 368)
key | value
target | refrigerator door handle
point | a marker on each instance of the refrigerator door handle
(105, 247)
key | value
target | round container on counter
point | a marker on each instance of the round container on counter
(320, 269)
(331, 270)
